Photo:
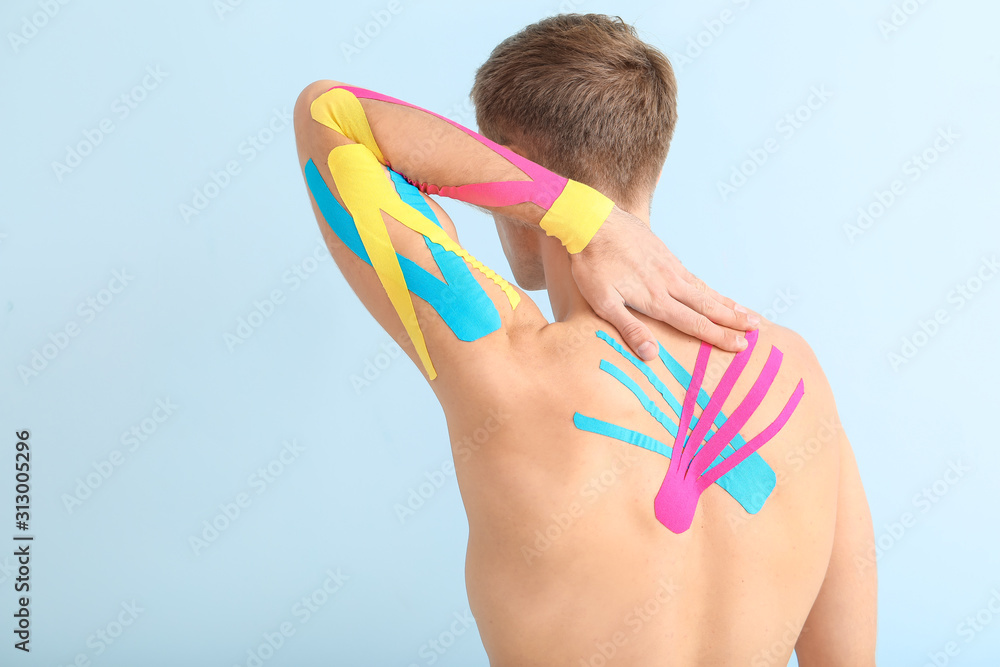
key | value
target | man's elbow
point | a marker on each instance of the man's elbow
(302, 113)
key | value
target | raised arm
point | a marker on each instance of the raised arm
(399, 251)
(616, 259)
(441, 160)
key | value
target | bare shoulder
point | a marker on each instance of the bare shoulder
(813, 442)
(798, 354)
(788, 341)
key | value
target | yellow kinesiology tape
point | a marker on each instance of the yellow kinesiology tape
(341, 111)
(574, 211)
(360, 176)
(576, 215)
(367, 193)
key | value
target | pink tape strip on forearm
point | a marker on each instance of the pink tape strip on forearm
(543, 188)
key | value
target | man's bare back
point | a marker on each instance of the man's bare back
(567, 563)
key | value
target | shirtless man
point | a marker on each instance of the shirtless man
(585, 547)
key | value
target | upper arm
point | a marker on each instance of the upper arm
(840, 629)
(463, 311)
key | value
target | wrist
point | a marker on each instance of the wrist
(576, 215)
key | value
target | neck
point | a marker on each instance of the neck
(564, 296)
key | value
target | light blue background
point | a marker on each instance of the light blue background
(782, 233)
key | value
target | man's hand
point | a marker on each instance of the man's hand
(622, 264)
(625, 264)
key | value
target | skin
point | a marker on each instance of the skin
(566, 562)
(428, 150)
(748, 589)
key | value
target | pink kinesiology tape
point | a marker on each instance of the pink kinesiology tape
(543, 188)
(686, 479)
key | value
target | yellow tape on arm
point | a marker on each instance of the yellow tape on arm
(412, 218)
(367, 193)
(341, 111)
(576, 215)
(362, 181)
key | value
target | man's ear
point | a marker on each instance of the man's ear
(658, 177)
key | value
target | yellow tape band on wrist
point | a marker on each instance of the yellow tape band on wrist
(576, 215)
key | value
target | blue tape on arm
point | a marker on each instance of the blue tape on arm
(461, 301)
(466, 308)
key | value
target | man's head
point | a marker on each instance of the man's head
(583, 96)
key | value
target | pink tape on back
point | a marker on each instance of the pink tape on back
(742, 413)
(543, 188)
(677, 499)
(756, 442)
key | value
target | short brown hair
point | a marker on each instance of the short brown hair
(583, 96)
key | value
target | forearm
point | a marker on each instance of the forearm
(442, 157)
(626, 265)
